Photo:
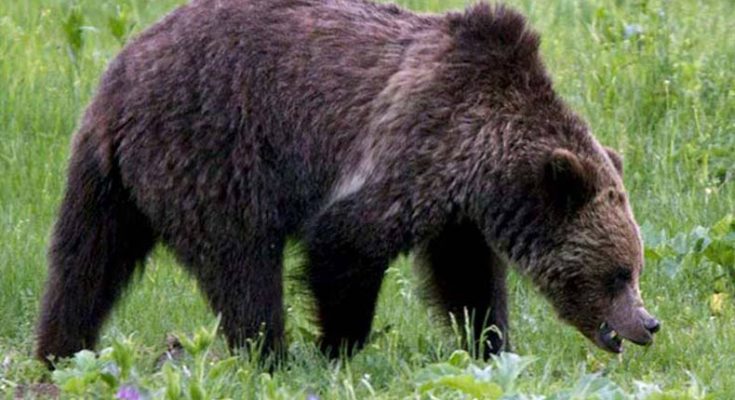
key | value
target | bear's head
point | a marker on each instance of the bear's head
(549, 197)
(590, 270)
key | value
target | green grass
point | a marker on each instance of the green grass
(655, 80)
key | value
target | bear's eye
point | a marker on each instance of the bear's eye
(618, 279)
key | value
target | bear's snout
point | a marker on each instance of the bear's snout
(652, 325)
(641, 331)
(632, 323)
(627, 319)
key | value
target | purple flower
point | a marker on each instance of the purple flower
(632, 30)
(128, 393)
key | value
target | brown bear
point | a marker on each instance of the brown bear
(363, 130)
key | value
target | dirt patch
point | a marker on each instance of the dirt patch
(37, 391)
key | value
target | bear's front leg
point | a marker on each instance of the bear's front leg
(350, 245)
(465, 278)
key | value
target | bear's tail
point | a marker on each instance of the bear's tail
(99, 238)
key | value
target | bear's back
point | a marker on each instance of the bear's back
(224, 101)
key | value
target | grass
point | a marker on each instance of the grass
(655, 80)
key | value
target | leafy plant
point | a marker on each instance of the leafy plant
(121, 23)
(73, 27)
(113, 374)
(460, 377)
(716, 245)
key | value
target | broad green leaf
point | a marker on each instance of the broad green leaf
(466, 384)
(508, 367)
(724, 226)
(460, 359)
(721, 252)
(221, 367)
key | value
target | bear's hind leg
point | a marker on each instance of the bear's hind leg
(464, 276)
(99, 238)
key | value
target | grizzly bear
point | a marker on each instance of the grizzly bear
(364, 131)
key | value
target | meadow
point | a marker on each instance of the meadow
(654, 78)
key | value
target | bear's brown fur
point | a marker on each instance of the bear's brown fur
(364, 130)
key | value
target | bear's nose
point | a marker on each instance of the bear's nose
(652, 325)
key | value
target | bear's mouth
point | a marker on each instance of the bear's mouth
(612, 340)
(609, 339)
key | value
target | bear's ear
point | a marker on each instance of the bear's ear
(616, 159)
(569, 180)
